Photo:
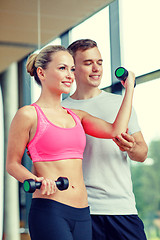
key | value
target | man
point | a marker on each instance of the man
(106, 170)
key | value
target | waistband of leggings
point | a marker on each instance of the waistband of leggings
(60, 209)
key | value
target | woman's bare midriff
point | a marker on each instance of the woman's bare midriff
(76, 194)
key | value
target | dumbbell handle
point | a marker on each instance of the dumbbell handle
(121, 73)
(30, 185)
(38, 184)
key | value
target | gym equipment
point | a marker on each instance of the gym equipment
(121, 74)
(31, 185)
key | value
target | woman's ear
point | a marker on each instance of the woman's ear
(40, 73)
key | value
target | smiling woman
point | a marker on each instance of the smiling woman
(55, 139)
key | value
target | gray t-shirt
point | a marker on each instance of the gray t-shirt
(106, 169)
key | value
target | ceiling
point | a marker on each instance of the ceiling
(19, 23)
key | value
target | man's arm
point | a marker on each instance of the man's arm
(134, 145)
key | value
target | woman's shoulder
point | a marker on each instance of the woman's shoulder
(26, 113)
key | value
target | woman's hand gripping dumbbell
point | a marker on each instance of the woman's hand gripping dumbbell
(31, 185)
(121, 74)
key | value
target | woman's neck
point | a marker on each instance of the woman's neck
(49, 101)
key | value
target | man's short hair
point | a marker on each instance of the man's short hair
(82, 45)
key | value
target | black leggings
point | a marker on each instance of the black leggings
(52, 220)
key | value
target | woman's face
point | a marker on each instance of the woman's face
(59, 75)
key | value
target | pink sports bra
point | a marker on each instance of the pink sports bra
(53, 143)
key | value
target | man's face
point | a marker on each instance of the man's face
(88, 67)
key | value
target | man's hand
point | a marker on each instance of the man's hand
(125, 142)
(134, 145)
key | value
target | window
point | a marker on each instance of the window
(140, 38)
(146, 102)
(140, 51)
(146, 177)
(97, 29)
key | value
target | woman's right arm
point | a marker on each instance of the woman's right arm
(17, 141)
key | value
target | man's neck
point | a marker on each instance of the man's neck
(80, 95)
